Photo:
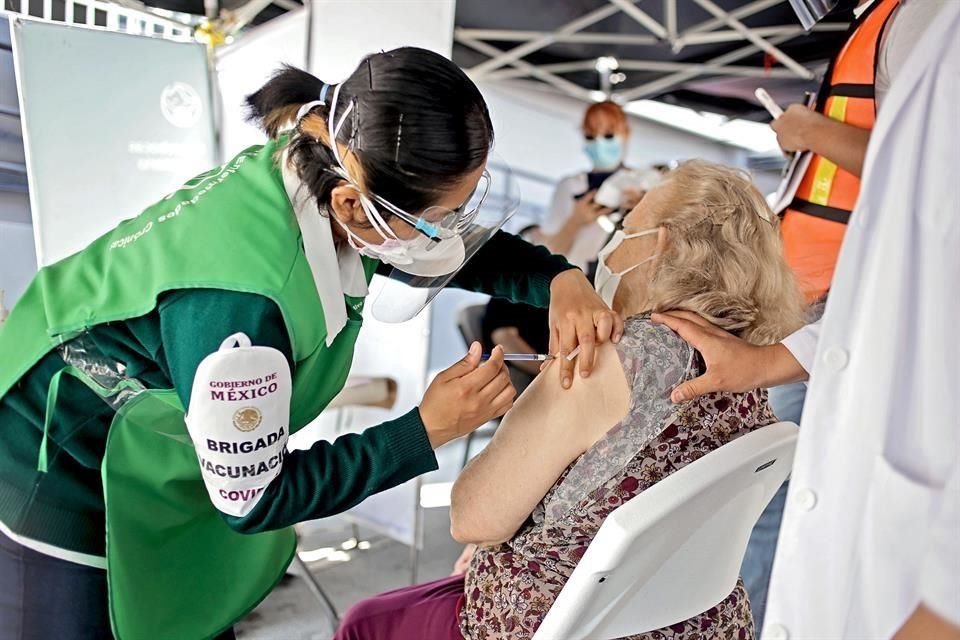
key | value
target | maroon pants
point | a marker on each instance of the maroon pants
(430, 610)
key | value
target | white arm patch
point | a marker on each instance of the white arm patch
(239, 421)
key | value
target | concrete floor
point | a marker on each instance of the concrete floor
(349, 573)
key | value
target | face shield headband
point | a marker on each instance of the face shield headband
(435, 223)
(445, 240)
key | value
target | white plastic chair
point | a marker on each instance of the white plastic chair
(675, 550)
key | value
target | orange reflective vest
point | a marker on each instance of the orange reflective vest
(814, 223)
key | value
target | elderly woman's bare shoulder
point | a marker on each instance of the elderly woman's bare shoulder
(595, 404)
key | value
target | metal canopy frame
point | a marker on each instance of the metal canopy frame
(724, 26)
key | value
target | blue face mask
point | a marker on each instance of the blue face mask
(605, 153)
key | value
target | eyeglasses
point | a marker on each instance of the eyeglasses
(438, 223)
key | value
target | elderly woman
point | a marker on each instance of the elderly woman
(561, 462)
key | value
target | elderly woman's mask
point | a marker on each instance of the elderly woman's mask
(606, 282)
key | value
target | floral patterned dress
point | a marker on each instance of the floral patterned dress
(509, 588)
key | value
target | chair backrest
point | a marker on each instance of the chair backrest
(675, 550)
(470, 322)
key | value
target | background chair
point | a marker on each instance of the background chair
(470, 324)
(674, 551)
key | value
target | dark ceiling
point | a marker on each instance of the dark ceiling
(728, 95)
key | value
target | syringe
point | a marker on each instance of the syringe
(527, 357)
(532, 357)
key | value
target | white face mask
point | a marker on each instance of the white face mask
(421, 256)
(606, 282)
(417, 257)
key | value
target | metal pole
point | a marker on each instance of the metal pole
(557, 67)
(725, 70)
(247, 14)
(514, 35)
(641, 16)
(670, 18)
(216, 104)
(211, 8)
(650, 65)
(417, 534)
(566, 86)
(506, 57)
(316, 589)
(738, 26)
(13, 167)
(712, 37)
(662, 84)
(308, 54)
(745, 11)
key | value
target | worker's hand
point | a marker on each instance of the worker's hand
(794, 127)
(463, 562)
(578, 317)
(733, 364)
(466, 396)
(586, 211)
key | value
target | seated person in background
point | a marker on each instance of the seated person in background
(518, 328)
(705, 241)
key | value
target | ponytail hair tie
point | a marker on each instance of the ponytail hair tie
(307, 108)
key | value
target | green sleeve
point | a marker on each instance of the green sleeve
(194, 322)
(330, 478)
(511, 268)
(327, 478)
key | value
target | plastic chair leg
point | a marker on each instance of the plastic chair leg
(316, 589)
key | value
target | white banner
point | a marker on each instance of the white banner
(111, 124)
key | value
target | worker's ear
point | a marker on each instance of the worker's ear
(346, 206)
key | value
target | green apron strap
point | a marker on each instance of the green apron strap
(54, 390)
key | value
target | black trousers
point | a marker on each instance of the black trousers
(42, 598)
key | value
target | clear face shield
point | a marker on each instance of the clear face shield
(810, 12)
(439, 241)
(413, 287)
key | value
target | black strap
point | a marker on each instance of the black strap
(820, 211)
(849, 90)
(824, 91)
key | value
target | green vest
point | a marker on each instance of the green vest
(175, 569)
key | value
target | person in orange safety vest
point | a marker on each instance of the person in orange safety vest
(837, 132)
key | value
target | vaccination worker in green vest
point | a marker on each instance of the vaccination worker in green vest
(149, 383)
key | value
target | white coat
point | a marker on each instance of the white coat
(872, 523)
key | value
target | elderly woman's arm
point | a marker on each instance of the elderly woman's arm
(547, 429)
